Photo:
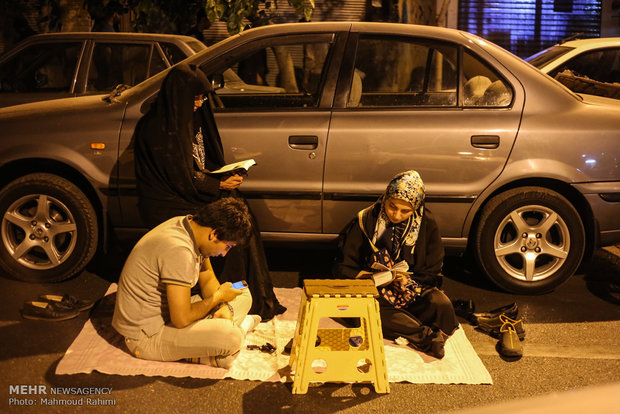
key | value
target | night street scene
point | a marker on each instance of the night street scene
(310, 206)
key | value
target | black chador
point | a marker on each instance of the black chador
(173, 146)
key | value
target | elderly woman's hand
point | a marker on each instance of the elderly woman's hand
(401, 278)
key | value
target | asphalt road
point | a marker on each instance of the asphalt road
(572, 352)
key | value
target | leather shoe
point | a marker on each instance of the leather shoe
(493, 326)
(509, 343)
(67, 301)
(48, 311)
(511, 310)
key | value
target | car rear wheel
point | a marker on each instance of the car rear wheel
(530, 240)
(48, 231)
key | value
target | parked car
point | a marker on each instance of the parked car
(520, 170)
(60, 65)
(584, 65)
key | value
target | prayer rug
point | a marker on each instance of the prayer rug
(98, 347)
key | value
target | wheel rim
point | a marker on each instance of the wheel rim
(39, 231)
(532, 243)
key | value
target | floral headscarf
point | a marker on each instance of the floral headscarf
(407, 186)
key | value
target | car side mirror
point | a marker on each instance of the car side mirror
(217, 81)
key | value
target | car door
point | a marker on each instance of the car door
(424, 104)
(274, 105)
(276, 109)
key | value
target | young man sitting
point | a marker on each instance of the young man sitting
(155, 310)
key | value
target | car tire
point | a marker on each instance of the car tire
(48, 229)
(530, 240)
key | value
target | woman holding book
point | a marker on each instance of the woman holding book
(176, 144)
(396, 229)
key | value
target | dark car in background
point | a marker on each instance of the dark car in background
(60, 65)
(518, 169)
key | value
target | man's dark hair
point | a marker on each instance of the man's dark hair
(229, 217)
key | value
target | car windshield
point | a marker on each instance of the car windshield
(543, 57)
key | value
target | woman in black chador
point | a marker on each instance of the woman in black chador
(398, 228)
(174, 143)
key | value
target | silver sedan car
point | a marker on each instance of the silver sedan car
(519, 171)
(60, 65)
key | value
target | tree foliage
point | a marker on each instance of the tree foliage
(258, 12)
(178, 16)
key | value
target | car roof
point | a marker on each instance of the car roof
(377, 27)
(593, 42)
(110, 35)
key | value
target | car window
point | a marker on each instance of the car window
(47, 67)
(600, 65)
(287, 74)
(483, 87)
(172, 52)
(117, 63)
(403, 72)
(543, 57)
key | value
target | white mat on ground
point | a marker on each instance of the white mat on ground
(99, 348)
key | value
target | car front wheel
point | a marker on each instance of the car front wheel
(48, 231)
(530, 240)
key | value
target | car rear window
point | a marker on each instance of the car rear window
(541, 58)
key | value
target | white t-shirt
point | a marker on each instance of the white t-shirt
(165, 255)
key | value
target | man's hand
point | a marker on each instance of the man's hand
(227, 293)
(231, 182)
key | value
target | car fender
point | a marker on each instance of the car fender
(536, 171)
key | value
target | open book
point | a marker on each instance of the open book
(385, 274)
(239, 167)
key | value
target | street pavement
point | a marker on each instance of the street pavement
(571, 356)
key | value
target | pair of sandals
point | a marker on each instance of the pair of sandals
(501, 323)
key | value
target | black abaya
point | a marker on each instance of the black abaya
(171, 184)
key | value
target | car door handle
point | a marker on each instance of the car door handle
(303, 142)
(485, 141)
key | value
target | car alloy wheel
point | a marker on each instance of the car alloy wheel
(48, 229)
(39, 231)
(530, 240)
(532, 243)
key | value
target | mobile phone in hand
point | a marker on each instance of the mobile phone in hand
(240, 284)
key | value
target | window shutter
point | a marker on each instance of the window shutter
(526, 27)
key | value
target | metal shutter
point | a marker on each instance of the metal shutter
(528, 26)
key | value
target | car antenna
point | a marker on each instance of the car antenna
(116, 92)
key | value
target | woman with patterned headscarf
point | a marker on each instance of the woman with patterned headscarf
(398, 228)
